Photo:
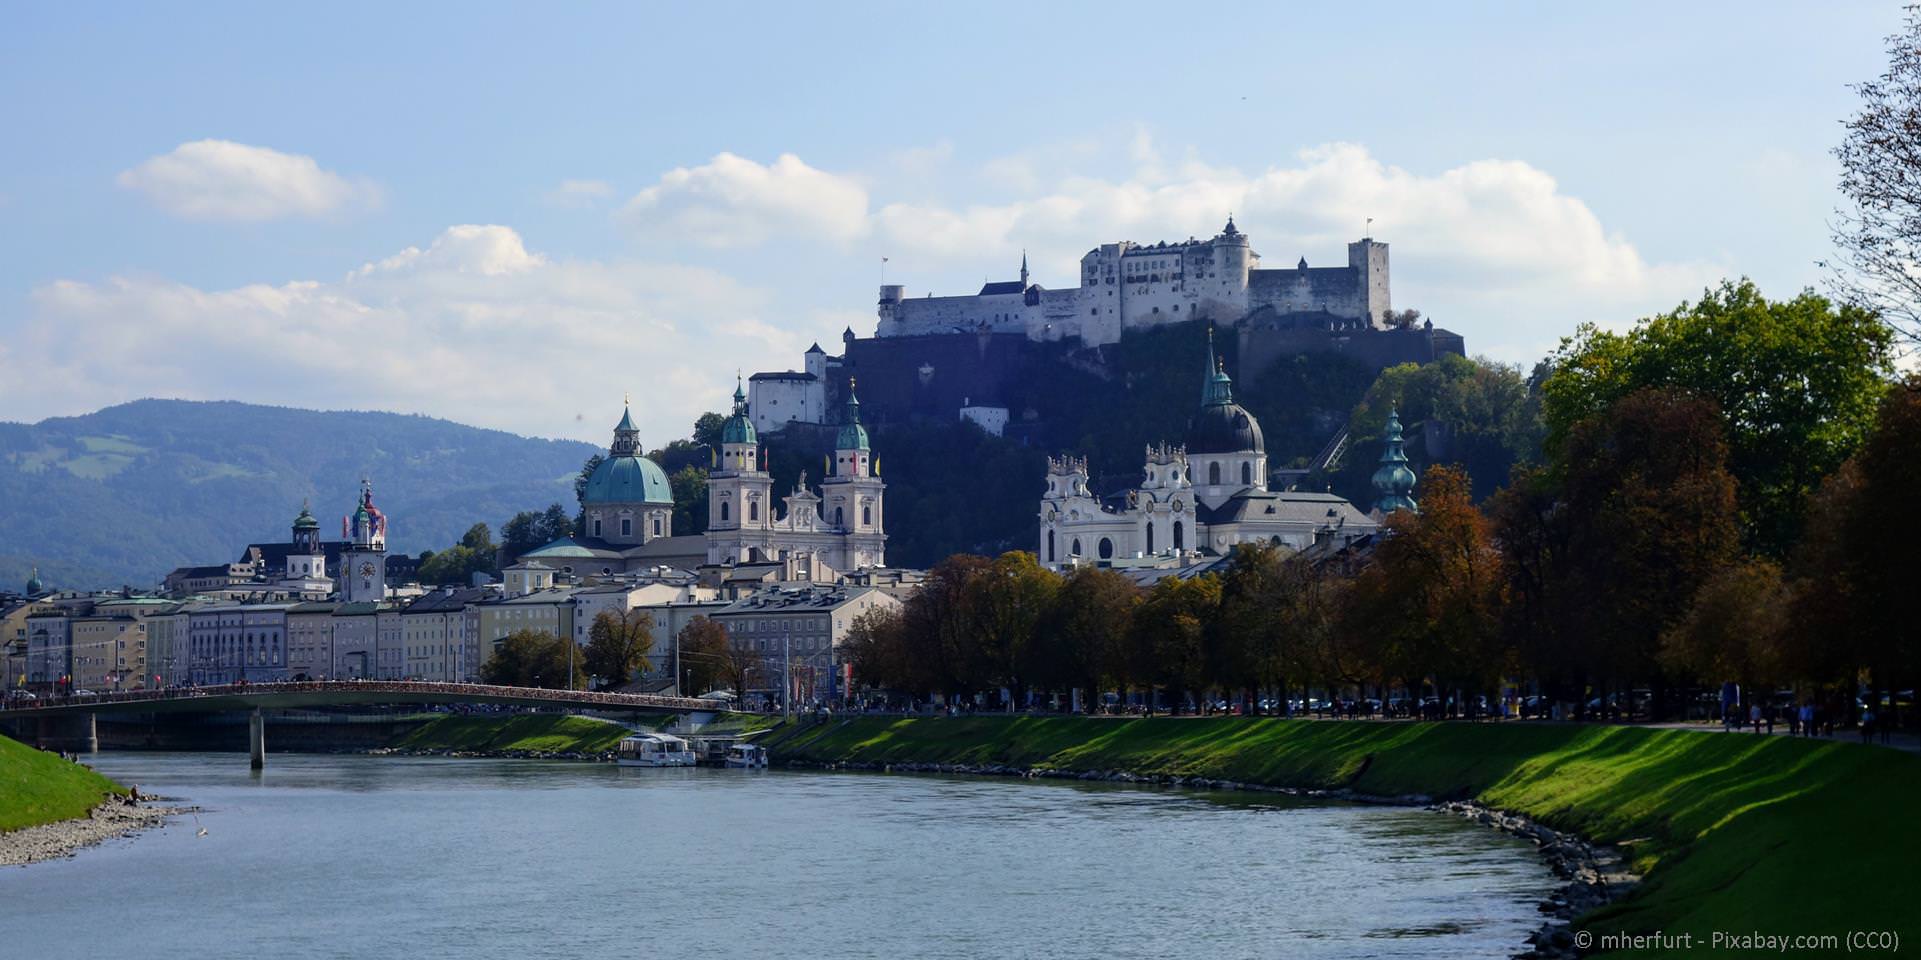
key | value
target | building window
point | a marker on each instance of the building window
(657, 526)
(1076, 546)
(626, 526)
(1150, 537)
(596, 527)
(1214, 473)
(839, 518)
(1247, 474)
(1107, 549)
(1050, 546)
(1179, 543)
(867, 516)
(753, 510)
(723, 511)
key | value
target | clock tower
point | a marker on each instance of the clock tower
(363, 565)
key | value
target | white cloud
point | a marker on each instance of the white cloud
(473, 327)
(223, 180)
(732, 201)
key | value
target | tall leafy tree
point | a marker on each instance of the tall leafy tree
(1735, 628)
(1169, 635)
(1796, 383)
(1008, 602)
(1092, 610)
(1651, 509)
(619, 644)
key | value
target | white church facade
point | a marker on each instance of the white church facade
(1196, 499)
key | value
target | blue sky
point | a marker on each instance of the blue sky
(511, 214)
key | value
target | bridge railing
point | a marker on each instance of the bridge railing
(586, 698)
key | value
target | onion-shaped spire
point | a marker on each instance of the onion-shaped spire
(1393, 480)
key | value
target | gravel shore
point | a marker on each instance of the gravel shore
(117, 817)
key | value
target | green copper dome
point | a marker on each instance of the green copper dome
(1393, 480)
(305, 521)
(34, 586)
(628, 480)
(853, 436)
(738, 428)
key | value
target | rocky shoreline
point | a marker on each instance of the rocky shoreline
(1593, 875)
(117, 816)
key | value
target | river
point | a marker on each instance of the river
(365, 857)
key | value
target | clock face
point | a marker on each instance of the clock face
(366, 568)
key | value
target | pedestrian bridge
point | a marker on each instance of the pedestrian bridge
(67, 722)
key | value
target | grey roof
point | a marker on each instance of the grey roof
(784, 375)
(796, 600)
(1254, 506)
(1000, 287)
(445, 601)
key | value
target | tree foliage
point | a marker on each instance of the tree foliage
(619, 645)
(1796, 383)
(535, 658)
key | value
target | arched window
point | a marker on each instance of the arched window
(840, 518)
(1214, 473)
(1107, 549)
(723, 511)
(1076, 546)
(1150, 537)
(867, 516)
(1179, 543)
(753, 509)
(1050, 546)
(1247, 474)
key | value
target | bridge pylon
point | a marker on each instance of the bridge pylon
(256, 740)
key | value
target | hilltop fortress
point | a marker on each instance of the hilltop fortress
(1128, 286)
(938, 358)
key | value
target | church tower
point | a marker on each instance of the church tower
(740, 508)
(363, 574)
(308, 559)
(852, 496)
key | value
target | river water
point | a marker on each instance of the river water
(366, 857)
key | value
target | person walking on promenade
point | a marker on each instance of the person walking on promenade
(1754, 716)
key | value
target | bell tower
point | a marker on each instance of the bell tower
(852, 496)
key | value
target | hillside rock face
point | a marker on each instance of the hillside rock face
(123, 495)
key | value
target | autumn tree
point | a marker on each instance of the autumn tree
(618, 646)
(1735, 628)
(1432, 593)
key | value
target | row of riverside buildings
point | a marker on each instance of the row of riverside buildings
(58, 643)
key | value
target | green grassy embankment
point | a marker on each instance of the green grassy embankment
(1732, 832)
(37, 787)
(544, 732)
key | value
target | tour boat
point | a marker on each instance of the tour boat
(747, 756)
(653, 750)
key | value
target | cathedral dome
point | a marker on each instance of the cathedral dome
(630, 479)
(34, 586)
(1224, 428)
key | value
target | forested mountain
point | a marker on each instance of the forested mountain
(123, 495)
